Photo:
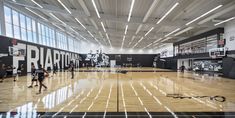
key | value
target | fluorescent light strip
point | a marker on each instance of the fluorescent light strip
(36, 13)
(72, 29)
(156, 44)
(110, 43)
(138, 42)
(204, 14)
(148, 45)
(184, 30)
(84, 38)
(57, 18)
(157, 40)
(149, 31)
(123, 41)
(172, 32)
(132, 5)
(140, 39)
(176, 4)
(133, 37)
(97, 12)
(126, 29)
(224, 21)
(103, 27)
(80, 23)
(65, 7)
(107, 36)
(96, 40)
(166, 39)
(90, 33)
(36, 3)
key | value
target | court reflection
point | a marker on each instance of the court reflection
(108, 91)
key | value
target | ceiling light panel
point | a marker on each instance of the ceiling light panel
(36, 3)
(67, 9)
(224, 21)
(130, 12)
(96, 10)
(149, 31)
(35, 13)
(183, 31)
(204, 14)
(172, 32)
(57, 18)
(80, 23)
(126, 29)
(168, 12)
(103, 26)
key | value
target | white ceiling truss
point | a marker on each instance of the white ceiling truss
(130, 23)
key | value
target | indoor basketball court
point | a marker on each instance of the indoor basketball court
(117, 58)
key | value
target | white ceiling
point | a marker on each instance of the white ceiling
(114, 15)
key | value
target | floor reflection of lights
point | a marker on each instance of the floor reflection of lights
(87, 93)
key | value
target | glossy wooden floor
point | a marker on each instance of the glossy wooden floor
(111, 92)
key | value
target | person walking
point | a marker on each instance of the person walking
(41, 76)
(33, 73)
(72, 69)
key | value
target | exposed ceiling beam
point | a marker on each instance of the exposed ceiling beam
(84, 7)
(151, 22)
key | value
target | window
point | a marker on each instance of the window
(23, 27)
(26, 28)
(76, 44)
(29, 29)
(71, 44)
(62, 41)
(34, 31)
(46, 35)
(8, 21)
(16, 24)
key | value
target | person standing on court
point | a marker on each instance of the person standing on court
(41, 76)
(72, 69)
(54, 69)
(33, 73)
(2, 72)
(182, 68)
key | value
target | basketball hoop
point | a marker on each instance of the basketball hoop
(15, 51)
(217, 52)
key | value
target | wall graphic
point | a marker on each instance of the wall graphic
(97, 59)
(17, 52)
(124, 60)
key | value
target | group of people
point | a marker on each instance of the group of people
(10, 71)
(38, 75)
(41, 74)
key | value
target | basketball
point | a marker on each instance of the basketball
(46, 75)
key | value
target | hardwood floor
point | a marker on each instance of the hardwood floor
(149, 91)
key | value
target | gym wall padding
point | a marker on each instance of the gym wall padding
(229, 67)
(167, 63)
(44, 53)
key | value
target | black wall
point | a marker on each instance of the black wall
(229, 67)
(144, 60)
(167, 63)
(5, 42)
